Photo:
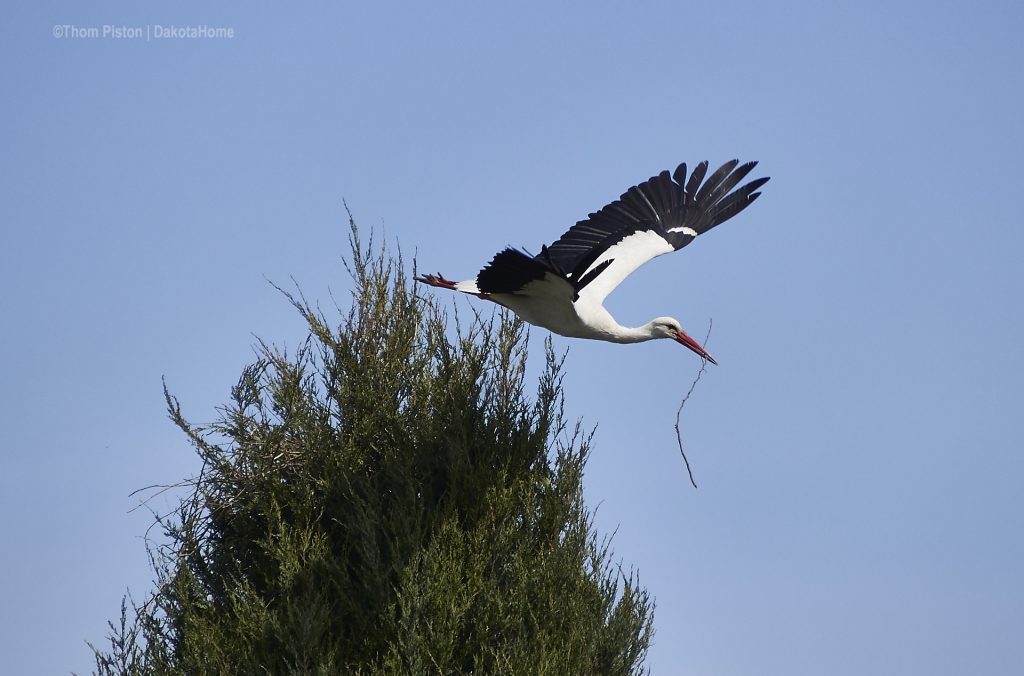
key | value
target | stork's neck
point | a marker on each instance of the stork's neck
(600, 325)
(633, 334)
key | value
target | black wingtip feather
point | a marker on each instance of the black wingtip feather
(695, 178)
(679, 175)
(725, 185)
(755, 184)
(714, 181)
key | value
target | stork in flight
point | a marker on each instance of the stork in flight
(563, 287)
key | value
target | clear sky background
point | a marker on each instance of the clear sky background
(859, 449)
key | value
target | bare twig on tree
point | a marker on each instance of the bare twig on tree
(679, 412)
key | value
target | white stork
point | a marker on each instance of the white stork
(563, 287)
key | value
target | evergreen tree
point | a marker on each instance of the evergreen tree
(387, 499)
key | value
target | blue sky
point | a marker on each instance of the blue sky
(859, 447)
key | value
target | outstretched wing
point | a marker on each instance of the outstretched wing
(660, 215)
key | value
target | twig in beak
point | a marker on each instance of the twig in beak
(679, 412)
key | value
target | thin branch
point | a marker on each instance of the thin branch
(163, 488)
(679, 412)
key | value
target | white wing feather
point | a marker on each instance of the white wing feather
(626, 256)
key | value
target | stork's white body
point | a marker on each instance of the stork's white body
(564, 287)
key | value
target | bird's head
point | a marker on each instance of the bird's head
(667, 327)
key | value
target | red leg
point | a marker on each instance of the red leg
(436, 280)
(439, 280)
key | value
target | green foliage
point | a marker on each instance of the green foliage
(387, 499)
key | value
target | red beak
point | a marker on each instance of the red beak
(683, 339)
